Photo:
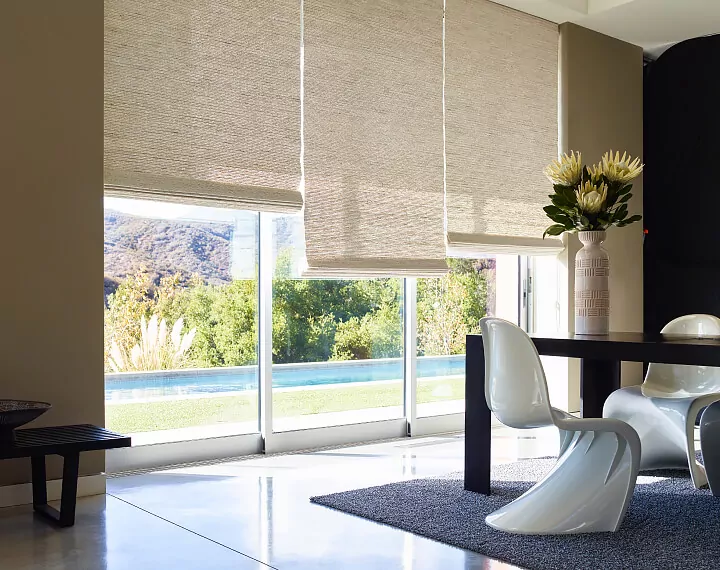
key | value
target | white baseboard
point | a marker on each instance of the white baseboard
(12, 495)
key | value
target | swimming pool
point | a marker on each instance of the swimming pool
(163, 383)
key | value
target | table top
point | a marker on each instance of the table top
(632, 337)
(62, 439)
(632, 347)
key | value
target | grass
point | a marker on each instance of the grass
(171, 414)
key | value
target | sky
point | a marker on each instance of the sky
(170, 211)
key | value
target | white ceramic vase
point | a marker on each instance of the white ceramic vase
(592, 291)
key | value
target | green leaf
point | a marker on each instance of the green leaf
(559, 188)
(620, 214)
(552, 210)
(569, 195)
(559, 201)
(559, 214)
(563, 219)
(632, 219)
(625, 198)
(624, 190)
(554, 230)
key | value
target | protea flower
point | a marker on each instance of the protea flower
(591, 198)
(567, 171)
(620, 169)
(596, 173)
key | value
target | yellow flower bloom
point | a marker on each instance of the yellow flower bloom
(566, 171)
(591, 198)
(596, 173)
(620, 168)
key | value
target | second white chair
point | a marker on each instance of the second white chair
(664, 408)
(590, 486)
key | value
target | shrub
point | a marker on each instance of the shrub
(313, 320)
(156, 350)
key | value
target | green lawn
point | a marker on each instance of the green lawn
(170, 414)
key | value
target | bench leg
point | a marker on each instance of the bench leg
(39, 485)
(68, 500)
(66, 516)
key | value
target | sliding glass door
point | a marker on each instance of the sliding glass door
(185, 288)
(336, 344)
(448, 309)
(181, 321)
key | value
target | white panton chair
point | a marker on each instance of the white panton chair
(590, 486)
(663, 410)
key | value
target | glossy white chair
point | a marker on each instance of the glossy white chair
(663, 410)
(590, 486)
(710, 441)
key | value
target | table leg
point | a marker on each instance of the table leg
(66, 515)
(598, 379)
(477, 419)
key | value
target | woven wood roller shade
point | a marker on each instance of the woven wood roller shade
(373, 146)
(501, 84)
(202, 102)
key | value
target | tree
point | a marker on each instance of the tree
(450, 307)
(377, 334)
(309, 314)
(127, 306)
(314, 320)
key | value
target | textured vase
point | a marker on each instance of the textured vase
(592, 294)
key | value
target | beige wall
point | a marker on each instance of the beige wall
(51, 157)
(601, 108)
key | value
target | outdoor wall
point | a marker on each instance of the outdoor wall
(601, 107)
(51, 157)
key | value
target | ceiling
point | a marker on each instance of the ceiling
(653, 24)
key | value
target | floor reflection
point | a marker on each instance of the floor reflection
(255, 513)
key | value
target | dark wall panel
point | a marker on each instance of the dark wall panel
(682, 182)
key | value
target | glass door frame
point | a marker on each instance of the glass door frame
(268, 441)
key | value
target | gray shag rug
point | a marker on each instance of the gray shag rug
(669, 524)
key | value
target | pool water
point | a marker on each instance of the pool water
(126, 386)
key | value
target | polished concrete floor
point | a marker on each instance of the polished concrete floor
(254, 513)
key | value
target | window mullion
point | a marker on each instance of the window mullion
(265, 271)
(523, 293)
(410, 351)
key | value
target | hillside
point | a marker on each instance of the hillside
(164, 247)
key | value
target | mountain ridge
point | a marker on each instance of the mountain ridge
(165, 247)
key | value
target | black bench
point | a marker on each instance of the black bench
(67, 442)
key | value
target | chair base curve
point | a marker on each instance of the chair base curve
(665, 426)
(588, 489)
(710, 444)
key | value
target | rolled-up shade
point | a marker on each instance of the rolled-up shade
(501, 75)
(202, 102)
(373, 142)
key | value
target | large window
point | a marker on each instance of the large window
(181, 292)
(189, 291)
(337, 345)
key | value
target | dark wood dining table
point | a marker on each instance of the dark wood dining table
(600, 358)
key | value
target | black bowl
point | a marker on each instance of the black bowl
(14, 413)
